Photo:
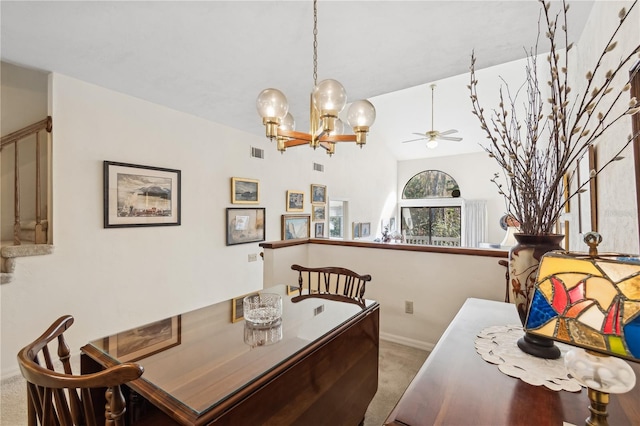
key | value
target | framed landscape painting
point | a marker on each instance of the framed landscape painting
(245, 225)
(318, 194)
(295, 226)
(295, 201)
(318, 212)
(137, 195)
(245, 191)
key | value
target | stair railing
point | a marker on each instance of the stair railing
(15, 138)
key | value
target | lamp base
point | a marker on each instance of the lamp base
(538, 346)
(598, 408)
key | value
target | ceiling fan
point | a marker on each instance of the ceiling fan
(432, 135)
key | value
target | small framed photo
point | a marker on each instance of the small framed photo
(318, 212)
(295, 226)
(141, 342)
(319, 230)
(136, 195)
(245, 225)
(295, 201)
(318, 194)
(365, 229)
(237, 308)
(355, 230)
(245, 191)
(292, 289)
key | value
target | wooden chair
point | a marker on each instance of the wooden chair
(62, 398)
(331, 282)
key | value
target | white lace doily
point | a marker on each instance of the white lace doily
(498, 345)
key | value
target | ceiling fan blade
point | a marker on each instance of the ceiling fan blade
(424, 135)
(413, 140)
(449, 138)
(448, 132)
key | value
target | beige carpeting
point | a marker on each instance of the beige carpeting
(398, 365)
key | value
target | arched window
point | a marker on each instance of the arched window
(435, 220)
(431, 184)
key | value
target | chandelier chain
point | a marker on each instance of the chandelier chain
(315, 43)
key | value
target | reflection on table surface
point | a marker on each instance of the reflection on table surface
(202, 357)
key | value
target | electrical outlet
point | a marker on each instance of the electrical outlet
(253, 257)
(408, 306)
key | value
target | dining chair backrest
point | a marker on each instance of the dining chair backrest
(330, 281)
(55, 396)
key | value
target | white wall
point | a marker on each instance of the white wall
(113, 279)
(436, 283)
(472, 172)
(617, 206)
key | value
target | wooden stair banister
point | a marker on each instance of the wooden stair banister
(14, 138)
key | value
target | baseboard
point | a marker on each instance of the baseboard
(418, 344)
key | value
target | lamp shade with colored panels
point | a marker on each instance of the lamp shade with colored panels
(588, 302)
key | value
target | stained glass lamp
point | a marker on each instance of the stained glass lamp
(591, 302)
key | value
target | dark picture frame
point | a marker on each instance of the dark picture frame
(245, 191)
(295, 226)
(245, 225)
(318, 194)
(136, 195)
(141, 342)
(319, 230)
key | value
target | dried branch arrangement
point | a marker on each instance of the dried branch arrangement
(537, 150)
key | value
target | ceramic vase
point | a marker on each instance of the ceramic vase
(524, 258)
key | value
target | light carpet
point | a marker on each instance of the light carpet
(398, 365)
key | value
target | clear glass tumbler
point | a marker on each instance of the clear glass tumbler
(262, 309)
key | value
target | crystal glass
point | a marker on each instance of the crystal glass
(262, 335)
(263, 308)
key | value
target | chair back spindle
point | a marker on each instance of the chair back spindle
(62, 398)
(331, 282)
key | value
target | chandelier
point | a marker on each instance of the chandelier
(328, 99)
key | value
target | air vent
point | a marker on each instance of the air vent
(257, 153)
(318, 167)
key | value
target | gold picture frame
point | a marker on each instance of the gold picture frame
(295, 201)
(318, 194)
(245, 191)
(141, 342)
(295, 226)
(237, 309)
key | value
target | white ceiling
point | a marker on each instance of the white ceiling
(212, 58)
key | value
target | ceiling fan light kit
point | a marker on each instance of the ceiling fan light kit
(328, 98)
(432, 135)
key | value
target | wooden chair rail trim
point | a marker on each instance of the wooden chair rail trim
(274, 245)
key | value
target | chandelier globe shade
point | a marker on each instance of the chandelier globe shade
(327, 99)
(432, 143)
(360, 117)
(272, 106)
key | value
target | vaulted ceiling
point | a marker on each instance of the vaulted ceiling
(212, 58)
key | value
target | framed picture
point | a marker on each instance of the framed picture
(295, 201)
(245, 225)
(318, 212)
(365, 229)
(237, 309)
(318, 194)
(295, 226)
(292, 289)
(245, 191)
(355, 230)
(137, 195)
(147, 340)
(319, 230)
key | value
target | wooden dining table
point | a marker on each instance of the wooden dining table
(318, 365)
(455, 386)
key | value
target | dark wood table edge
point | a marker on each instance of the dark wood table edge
(185, 415)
